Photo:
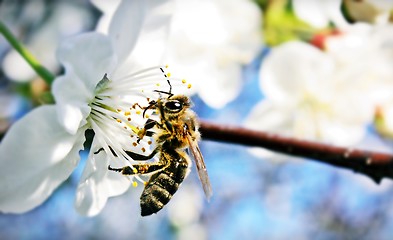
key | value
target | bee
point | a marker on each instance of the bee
(176, 131)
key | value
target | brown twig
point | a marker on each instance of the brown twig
(376, 165)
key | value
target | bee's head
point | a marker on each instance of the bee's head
(175, 105)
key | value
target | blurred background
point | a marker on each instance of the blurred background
(257, 195)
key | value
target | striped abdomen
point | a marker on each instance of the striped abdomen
(162, 185)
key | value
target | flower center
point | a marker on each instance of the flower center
(120, 109)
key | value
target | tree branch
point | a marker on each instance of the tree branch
(376, 165)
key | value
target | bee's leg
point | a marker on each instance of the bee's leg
(140, 157)
(150, 123)
(141, 168)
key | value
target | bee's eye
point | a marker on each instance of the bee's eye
(174, 106)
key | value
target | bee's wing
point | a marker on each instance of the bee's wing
(201, 167)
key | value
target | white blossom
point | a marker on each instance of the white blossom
(98, 91)
(209, 42)
(308, 95)
(320, 13)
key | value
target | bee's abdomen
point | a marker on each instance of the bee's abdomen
(162, 186)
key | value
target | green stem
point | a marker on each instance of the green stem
(31, 60)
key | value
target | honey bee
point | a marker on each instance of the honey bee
(176, 130)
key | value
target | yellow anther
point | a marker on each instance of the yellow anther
(127, 113)
(138, 112)
(118, 120)
(147, 115)
(145, 183)
(168, 74)
(189, 86)
(183, 81)
(135, 184)
(157, 84)
(135, 170)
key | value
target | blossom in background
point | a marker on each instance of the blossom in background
(209, 41)
(328, 94)
(63, 19)
(367, 50)
(309, 96)
(41, 150)
(320, 13)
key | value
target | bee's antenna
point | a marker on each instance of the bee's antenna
(169, 83)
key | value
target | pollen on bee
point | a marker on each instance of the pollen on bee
(183, 81)
(189, 86)
(127, 113)
(135, 184)
(134, 144)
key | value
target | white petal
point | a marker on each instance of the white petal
(108, 8)
(72, 98)
(125, 26)
(319, 13)
(292, 69)
(267, 115)
(36, 156)
(152, 40)
(88, 56)
(221, 86)
(97, 184)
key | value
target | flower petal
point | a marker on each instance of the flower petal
(125, 27)
(97, 184)
(151, 42)
(72, 98)
(320, 13)
(107, 8)
(292, 69)
(36, 156)
(86, 58)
